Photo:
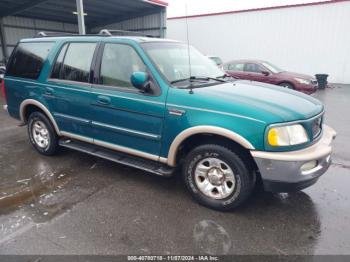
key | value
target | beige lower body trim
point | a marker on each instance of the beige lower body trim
(321, 149)
(126, 150)
(163, 160)
(77, 137)
(115, 147)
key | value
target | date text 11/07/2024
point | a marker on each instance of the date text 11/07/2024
(174, 258)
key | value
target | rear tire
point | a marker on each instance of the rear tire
(217, 177)
(287, 85)
(42, 135)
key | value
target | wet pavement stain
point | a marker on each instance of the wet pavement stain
(30, 190)
(341, 165)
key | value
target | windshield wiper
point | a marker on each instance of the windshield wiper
(215, 79)
(223, 76)
(190, 79)
(197, 79)
(227, 76)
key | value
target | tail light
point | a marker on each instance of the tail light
(3, 90)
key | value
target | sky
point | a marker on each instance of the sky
(194, 7)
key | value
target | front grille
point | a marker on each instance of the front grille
(316, 126)
(314, 82)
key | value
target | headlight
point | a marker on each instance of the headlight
(303, 81)
(287, 135)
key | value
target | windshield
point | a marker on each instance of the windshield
(272, 68)
(172, 60)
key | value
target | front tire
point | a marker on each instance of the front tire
(287, 85)
(217, 177)
(42, 134)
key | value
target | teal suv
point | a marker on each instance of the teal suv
(159, 105)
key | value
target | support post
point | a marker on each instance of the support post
(81, 22)
(3, 41)
(162, 21)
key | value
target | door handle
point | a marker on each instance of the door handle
(49, 91)
(103, 100)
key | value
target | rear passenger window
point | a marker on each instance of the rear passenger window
(28, 59)
(74, 62)
(236, 67)
(118, 63)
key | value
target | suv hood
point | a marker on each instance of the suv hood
(260, 101)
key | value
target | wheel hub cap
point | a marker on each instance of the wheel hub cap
(214, 178)
(40, 134)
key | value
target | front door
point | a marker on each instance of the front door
(123, 118)
(254, 72)
(68, 90)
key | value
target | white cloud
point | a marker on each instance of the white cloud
(178, 7)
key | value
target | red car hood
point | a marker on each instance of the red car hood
(292, 74)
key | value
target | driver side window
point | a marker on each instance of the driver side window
(118, 63)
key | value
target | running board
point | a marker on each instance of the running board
(118, 157)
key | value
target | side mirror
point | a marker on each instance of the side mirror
(140, 80)
(265, 73)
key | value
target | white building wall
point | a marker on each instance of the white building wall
(307, 39)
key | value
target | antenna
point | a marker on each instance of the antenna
(188, 51)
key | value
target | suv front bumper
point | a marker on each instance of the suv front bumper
(295, 170)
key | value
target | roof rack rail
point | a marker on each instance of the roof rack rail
(103, 32)
(48, 34)
(109, 32)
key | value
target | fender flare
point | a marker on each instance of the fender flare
(28, 102)
(171, 160)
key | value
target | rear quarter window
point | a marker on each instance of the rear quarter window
(28, 59)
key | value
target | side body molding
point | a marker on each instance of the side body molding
(204, 130)
(28, 102)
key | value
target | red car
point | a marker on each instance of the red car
(263, 71)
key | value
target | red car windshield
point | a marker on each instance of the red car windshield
(272, 68)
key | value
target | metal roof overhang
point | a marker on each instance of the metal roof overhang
(99, 13)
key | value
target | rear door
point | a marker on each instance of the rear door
(68, 89)
(123, 118)
(236, 70)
